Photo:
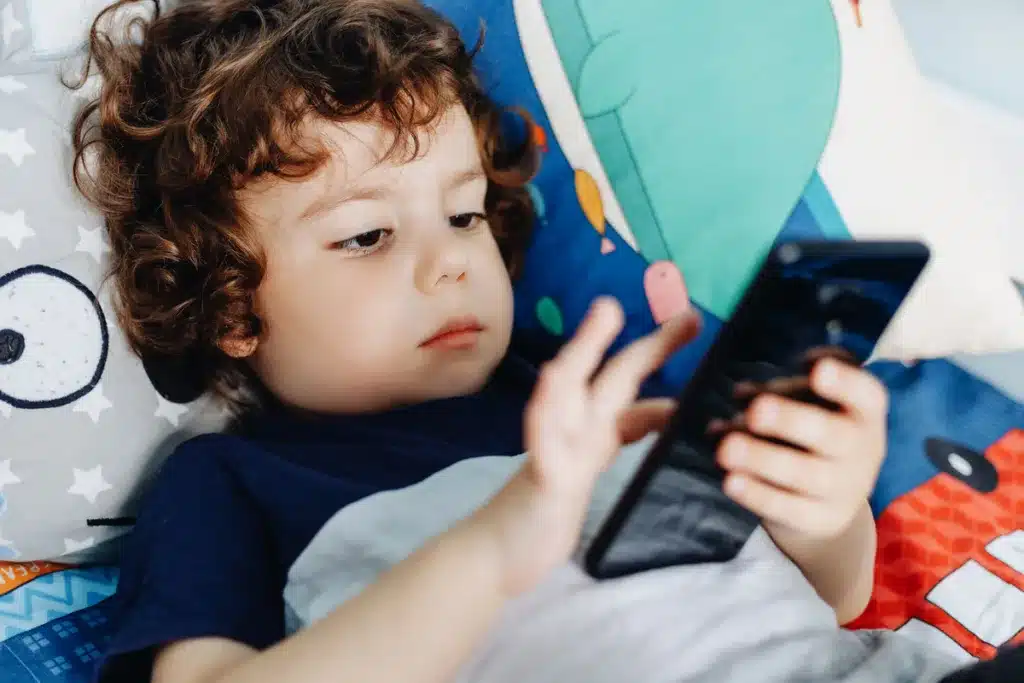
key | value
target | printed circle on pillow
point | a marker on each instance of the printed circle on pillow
(53, 338)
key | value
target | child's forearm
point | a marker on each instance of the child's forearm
(417, 624)
(840, 569)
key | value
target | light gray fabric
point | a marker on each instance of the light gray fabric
(79, 428)
(1005, 371)
(15, 37)
(752, 619)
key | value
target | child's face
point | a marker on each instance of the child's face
(368, 262)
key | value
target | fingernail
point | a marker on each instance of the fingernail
(765, 413)
(735, 452)
(734, 485)
(826, 373)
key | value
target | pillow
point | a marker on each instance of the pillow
(59, 27)
(15, 39)
(647, 197)
(639, 184)
(950, 558)
(661, 194)
(898, 164)
(81, 423)
(973, 56)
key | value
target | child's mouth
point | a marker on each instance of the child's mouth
(457, 334)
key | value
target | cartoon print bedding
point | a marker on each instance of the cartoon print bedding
(950, 499)
(950, 568)
(949, 504)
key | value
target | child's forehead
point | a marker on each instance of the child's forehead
(368, 151)
(367, 145)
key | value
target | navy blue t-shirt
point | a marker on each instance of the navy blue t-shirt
(230, 513)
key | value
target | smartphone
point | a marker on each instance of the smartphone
(809, 300)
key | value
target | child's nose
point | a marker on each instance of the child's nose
(447, 264)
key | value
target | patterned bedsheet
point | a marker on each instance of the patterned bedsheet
(949, 503)
(53, 622)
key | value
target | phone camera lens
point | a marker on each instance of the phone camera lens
(789, 254)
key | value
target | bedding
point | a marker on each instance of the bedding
(949, 576)
(845, 124)
(747, 181)
(688, 624)
(119, 420)
(15, 38)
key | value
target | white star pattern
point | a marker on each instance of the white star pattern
(171, 412)
(15, 145)
(14, 228)
(12, 552)
(9, 23)
(6, 476)
(5, 410)
(93, 403)
(73, 546)
(89, 483)
(92, 242)
(10, 85)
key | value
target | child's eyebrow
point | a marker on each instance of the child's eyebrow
(330, 200)
(465, 177)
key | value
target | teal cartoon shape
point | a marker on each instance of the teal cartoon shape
(708, 117)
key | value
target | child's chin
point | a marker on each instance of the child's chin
(462, 381)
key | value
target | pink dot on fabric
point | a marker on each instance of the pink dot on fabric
(666, 291)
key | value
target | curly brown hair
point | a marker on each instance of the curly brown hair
(198, 101)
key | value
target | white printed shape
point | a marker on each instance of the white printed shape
(171, 412)
(89, 483)
(14, 144)
(73, 546)
(93, 404)
(1009, 550)
(6, 475)
(92, 242)
(64, 337)
(9, 24)
(935, 639)
(984, 604)
(8, 551)
(10, 85)
(14, 228)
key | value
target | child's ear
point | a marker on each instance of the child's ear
(239, 348)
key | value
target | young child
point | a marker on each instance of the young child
(312, 204)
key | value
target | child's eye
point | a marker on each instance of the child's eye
(364, 243)
(465, 221)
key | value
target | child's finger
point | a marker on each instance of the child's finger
(580, 357)
(857, 390)
(771, 503)
(783, 386)
(645, 417)
(783, 467)
(801, 424)
(616, 386)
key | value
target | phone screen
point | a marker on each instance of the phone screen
(809, 301)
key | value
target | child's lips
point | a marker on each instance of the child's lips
(456, 334)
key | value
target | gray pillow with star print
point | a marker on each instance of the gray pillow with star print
(15, 38)
(81, 425)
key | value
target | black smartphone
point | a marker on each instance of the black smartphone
(809, 300)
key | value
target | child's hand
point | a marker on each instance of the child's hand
(578, 418)
(817, 493)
